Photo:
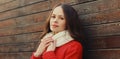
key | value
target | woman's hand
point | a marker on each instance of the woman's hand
(43, 45)
(52, 46)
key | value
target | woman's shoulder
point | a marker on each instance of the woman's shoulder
(73, 44)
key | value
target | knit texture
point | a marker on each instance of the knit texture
(60, 38)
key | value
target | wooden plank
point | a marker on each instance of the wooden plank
(84, 1)
(34, 8)
(104, 54)
(103, 29)
(4, 1)
(107, 42)
(9, 4)
(9, 14)
(31, 19)
(31, 37)
(97, 6)
(13, 4)
(24, 20)
(31, 9)
(18, 47)
(101, 17)
(27, 2)
(7, 23)
(20, 30)
(23, 24)
(54, 2)
(19, 55)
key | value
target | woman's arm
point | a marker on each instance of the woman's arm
(41, 48)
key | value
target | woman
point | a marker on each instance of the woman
(62, 37)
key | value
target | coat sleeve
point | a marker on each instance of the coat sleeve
(34, 57)
(49, 55)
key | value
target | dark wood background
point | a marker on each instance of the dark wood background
(21, 23)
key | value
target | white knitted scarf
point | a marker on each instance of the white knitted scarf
(61, 38)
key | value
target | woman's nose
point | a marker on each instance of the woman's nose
(55, 20)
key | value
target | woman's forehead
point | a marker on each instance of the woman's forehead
(58, 11)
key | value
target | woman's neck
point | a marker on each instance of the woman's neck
(55, 33)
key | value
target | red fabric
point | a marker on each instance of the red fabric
(71, 50)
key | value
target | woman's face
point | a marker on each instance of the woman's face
(57, 20)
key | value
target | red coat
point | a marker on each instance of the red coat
(71, 50)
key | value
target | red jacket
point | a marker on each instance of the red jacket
(71, 50)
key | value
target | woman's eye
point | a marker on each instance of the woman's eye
(52, 16)
(62, 18)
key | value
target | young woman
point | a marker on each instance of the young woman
(62, 37)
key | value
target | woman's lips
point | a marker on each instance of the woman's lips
(54, 25)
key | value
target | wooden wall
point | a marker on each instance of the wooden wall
(21, 23)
